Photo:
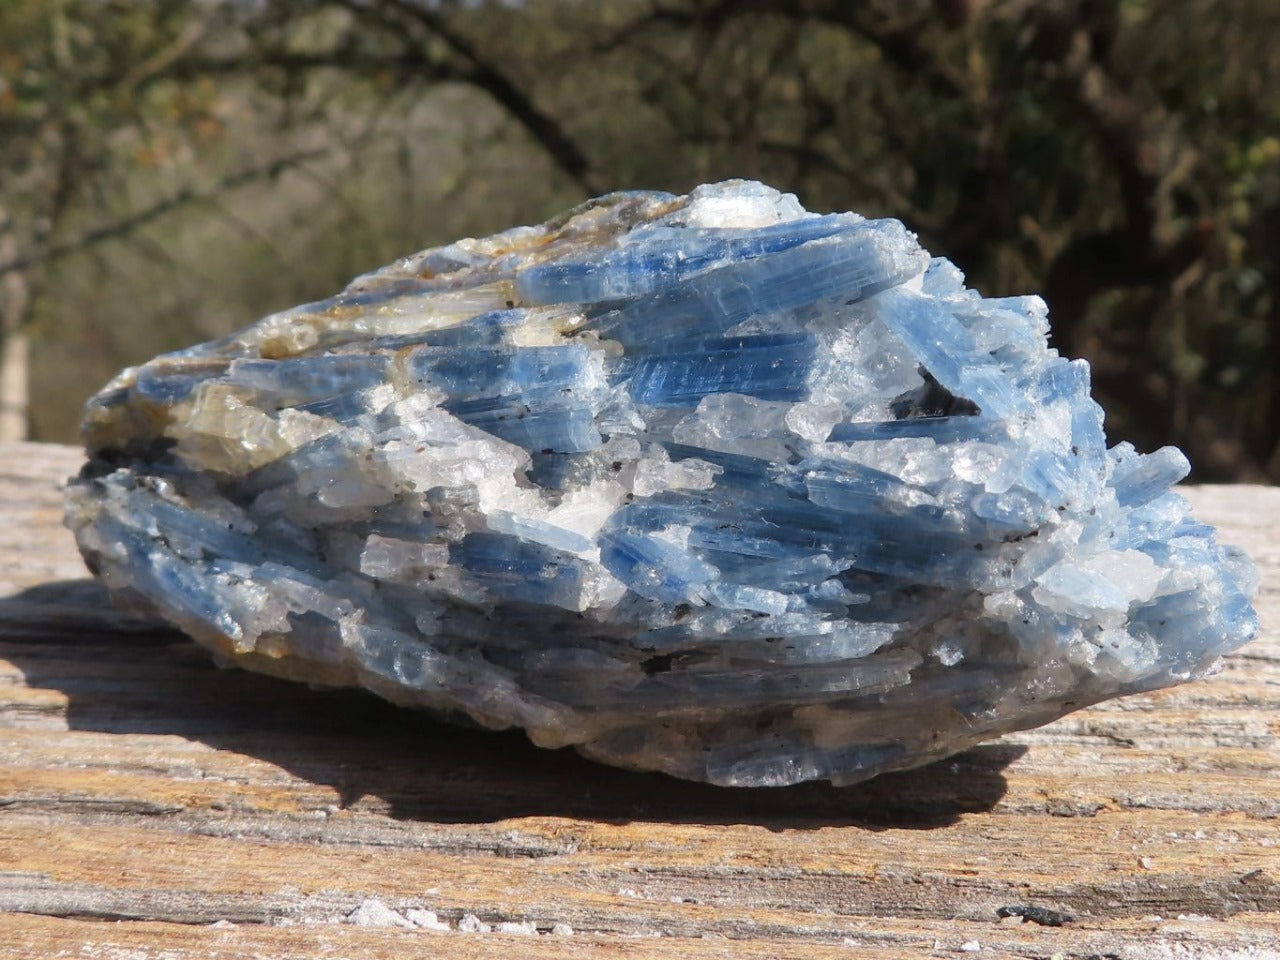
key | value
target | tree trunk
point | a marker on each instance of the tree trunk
(14, 346)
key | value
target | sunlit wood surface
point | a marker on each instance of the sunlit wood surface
(154, 806)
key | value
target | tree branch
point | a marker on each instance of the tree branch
(482, 73)
(183, 198)
(899, 44)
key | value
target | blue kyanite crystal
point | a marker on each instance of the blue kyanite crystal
(703, 484)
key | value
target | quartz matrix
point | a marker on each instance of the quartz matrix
(706, 484)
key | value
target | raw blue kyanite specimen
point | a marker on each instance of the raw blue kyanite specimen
(703, 484)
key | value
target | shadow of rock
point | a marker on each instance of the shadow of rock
(122, 674)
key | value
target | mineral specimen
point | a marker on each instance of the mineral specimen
(704, 484)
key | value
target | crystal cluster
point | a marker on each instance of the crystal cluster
(703, 484)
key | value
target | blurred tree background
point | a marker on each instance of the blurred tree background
(173, 169)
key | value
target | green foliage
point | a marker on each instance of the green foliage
(174, 169)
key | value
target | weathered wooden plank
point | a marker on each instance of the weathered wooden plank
(1192, 938)
(206, 812)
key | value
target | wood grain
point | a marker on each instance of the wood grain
(154, 806)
